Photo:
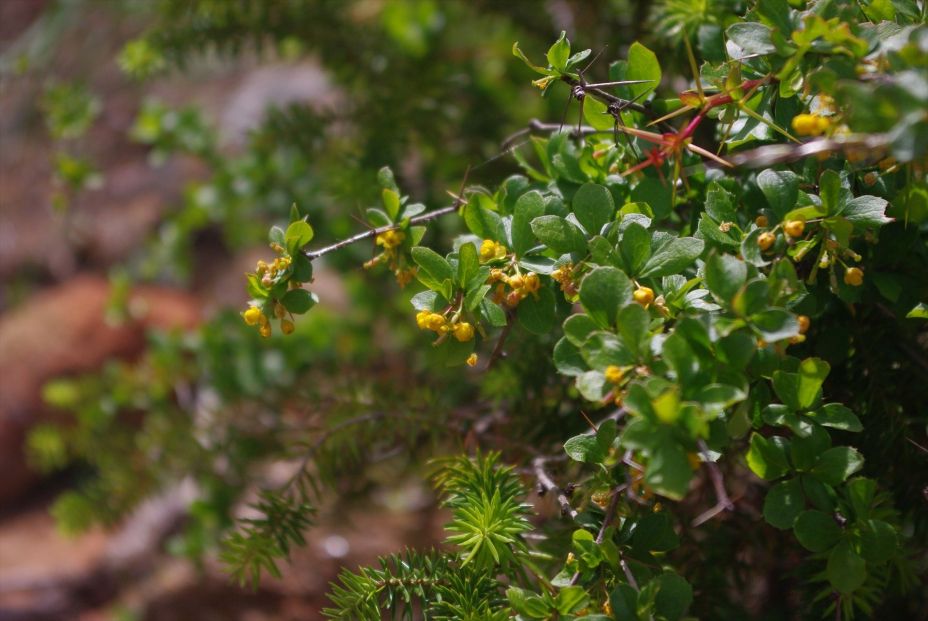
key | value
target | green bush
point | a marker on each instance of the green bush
(694, 321)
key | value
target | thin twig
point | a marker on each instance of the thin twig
(498, 349)
(548, 485)
(722, 501)
(315, 254)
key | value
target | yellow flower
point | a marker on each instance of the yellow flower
(422, 319)
(463, 331)
(810, 124)
(794, 228)
(279, 310)
(490, 250)
(516, 282)
(614, 374)
(252, 316)
(404, 277)
(761, 221)
(265, 330)
(543, 83)
(390, 239)
(472, 360)
(854, 276)
(531, 283)
(436, 322)
(765, 240)
(644, 296)
(286, 326)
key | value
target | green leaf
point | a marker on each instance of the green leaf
(836, 416)
(633, 322)
(391, 203)
(775, 324)
(538, 316)
(517, 52)
(529, 206)
(602, 349)
(674, 597)
(527, 603)
(571, 599)
(681, 358)
(654, 532)
(559, 53)
(593, 206)
(624, 602)
(766, 457)
(866, 211)
(592, 385)
(493, 313)
(298, 301)
(725, 275)
(919, 311)
(799, 390)
(780, 188)
(434, 269)
(816, 531)
(482, 221)
(832, 192)
(302, 268)
(846, 570)
(879, 541)
(837, 464)
(673, 257)
(751, 37)
(559, 234)
(668, 471)
(783, 504)
(578, 327)
(276, 236)
(635, 247)
(592, 449)
(568, 360)
(468, 263)
(298, 234)
(603, 292)
(642, 65)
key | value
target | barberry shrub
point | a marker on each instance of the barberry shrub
(696, 320)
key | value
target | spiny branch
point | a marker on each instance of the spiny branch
(548, 485)
(315, 254)
(722, 501)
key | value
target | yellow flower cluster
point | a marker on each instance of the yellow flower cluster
(268, 272)
(490, 250)
(390, 239)
(564, 276)
(254, 316)
(405, 276)
(810, 124)
(438, 323)
(521, 286)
